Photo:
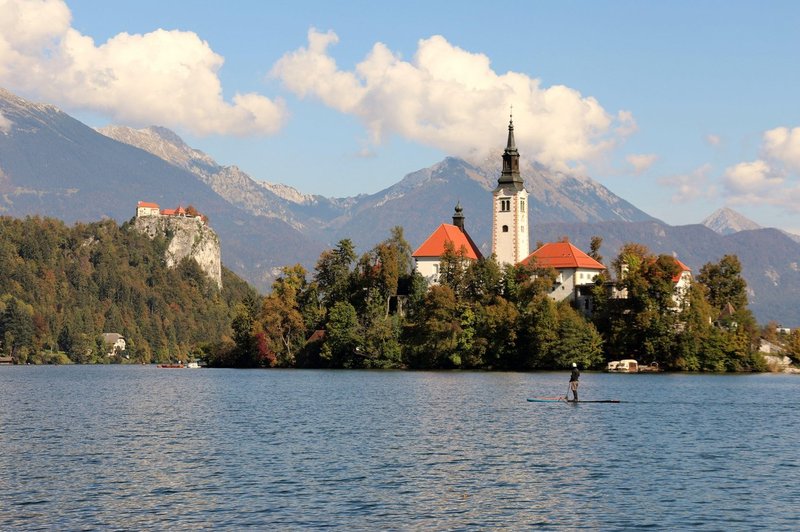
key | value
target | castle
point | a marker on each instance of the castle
(145, 208)
(188, 233)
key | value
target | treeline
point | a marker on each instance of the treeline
(347, 314)
(62, 287)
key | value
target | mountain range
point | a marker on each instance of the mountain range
(54, 165)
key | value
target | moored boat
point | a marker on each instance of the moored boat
(627, 365)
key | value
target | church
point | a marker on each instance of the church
(510, 238)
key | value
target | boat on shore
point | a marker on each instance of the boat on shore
(632, 366)
(627, 365)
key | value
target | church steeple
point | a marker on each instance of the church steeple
(458, 217)
(510, 174)
(510, 212)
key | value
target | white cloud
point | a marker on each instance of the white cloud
(750, 177)
(761, 183)
(641, 162)
(691, 186)
(783, 145)
(714, 140)
(162, 77)
(5, 124)
(451, 99)
(774, 179)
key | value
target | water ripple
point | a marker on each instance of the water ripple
(141, 448)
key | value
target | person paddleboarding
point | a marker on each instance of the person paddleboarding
(573, 382)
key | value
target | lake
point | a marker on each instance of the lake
(138, 447)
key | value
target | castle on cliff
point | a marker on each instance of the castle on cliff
(188, 235)
(146, 208)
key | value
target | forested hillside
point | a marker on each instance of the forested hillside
(62, 287)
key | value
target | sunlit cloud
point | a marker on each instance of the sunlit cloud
(783, 145)
(774, 179)
(452, 99)
(714, 140)
(641, 162)
(162, 77)
(692, 186)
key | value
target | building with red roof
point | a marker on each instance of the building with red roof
(145, 208)
(427, 257)
(576, 270)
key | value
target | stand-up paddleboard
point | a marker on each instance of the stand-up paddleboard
(562, 400)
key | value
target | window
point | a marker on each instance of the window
(505, 229)
(505, 205)
(522, 205)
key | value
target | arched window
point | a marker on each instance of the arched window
(505, 229)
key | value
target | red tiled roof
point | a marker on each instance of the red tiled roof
(434, 245)
(683, 267)
(168, 212)
(147, 204)
(561, 255)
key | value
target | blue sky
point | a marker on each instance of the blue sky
(678, 107)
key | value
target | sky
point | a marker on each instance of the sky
(679, 107)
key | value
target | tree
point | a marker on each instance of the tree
(432, 340)
(282, 330)
(579, 341)
(452, 268)
(594, 248)
(333, 273)
(16, 326)
(343, 343)
(724, 283)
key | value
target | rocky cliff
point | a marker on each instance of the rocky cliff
(188, 237)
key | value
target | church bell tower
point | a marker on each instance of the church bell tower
(510, 208)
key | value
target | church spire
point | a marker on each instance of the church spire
(510, 174)
(458, 216)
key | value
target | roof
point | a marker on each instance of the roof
(147, 204)
(434, 245)
(681, 266)
(562, 255)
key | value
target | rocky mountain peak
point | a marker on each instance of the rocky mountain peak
(161, 142)
(726, 221)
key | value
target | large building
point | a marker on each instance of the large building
(576, 271)
(510, 209)
(428, 256)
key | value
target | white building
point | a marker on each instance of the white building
(145, 208)
(428, 256)
(510, 208)
(576, 270)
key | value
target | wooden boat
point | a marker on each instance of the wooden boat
(172, 366)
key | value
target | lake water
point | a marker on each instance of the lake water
(127, 447)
